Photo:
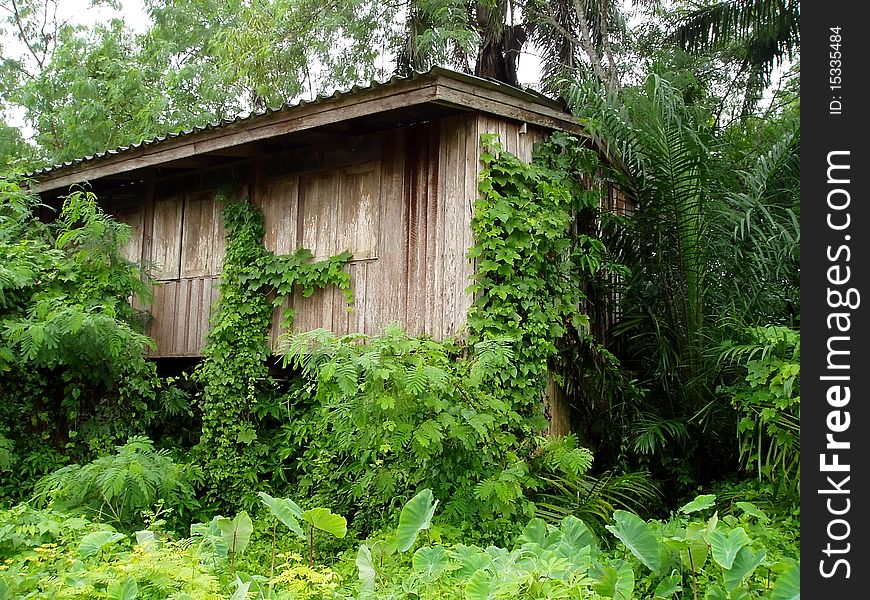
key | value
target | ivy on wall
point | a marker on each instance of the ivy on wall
(531, 264)
(235, 374)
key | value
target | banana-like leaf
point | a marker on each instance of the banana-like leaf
(414, 518)
(430, 563)
(638, 538)
(286, 511)
(617, 581)
(702, 502)
(236, 533)
(366, 567)
(481, 586)
(94, 542)
(669, 586)
(725, 546)
(788, 585)
(124, 589)
(325, 520)
(744, 564)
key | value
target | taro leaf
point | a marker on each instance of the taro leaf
(575, 534)
(430, 562)
(744, 564)
(617, 581)
(236, 533)
(638, 538)
(788, 585)
(94, 542)
(535, 533)
(471, 559)
(669, 586)
(725, 546)
(241, 592)
(365, 567)
(750, 509)
(715, 593)
(124, 589)
(414, 518)
(481, 586)
(286, 511)
(702, 502)
(324, 520)
(147, 539)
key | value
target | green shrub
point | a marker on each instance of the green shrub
(118, 488)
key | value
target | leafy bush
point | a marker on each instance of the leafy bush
(120, 487)
(768, 406)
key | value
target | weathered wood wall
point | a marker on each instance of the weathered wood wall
(401, 201)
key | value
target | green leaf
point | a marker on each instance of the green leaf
(702, 502)
(788, 585)
(241, 592)
(324, 520)
(535, 532)
(481, 586)
(575, 534)
(617, 581)
(365, 567)
(725, 546)
(744, 564)
(236, 533)
(637, 537)
(414, 518)
(125, 589)
(94, 542)
(669, 586)
(750, 509)
(430, 562)
(286, 511)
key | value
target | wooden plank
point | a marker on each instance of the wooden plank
(166, 239)
(318, 197)
(197, 235)
(358, 211)
(133, 216)
(280, 205)
(386, 283)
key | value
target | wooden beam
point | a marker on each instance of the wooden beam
(297, 118)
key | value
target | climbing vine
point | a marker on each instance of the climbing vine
(235, 374)
(531, 263)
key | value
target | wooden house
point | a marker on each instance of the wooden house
(389, 172)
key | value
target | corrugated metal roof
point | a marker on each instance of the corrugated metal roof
(481, 82)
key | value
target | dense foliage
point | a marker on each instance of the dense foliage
(396, 466)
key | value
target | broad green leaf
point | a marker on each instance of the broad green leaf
(750, 509)
(669, 586)
(429, 563)
(715, 592)
(617, 581)
(415, 517)
(471, 559)
(702, 502)
(788, 585)
(535, 532)
(637, 537)
(286, 511)
(236, 533)
(725, 546)
(94, 542)
(147, 539)
(575, 533)
(324, 520)
(481, 586)
(241, 592)
(744, 564)
(125, 589)
(366, 567)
